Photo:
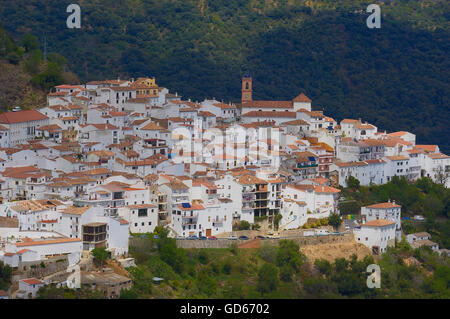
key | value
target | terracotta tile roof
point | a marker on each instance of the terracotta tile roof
(438, 156)
(193, 207)
(326, 189)
(270, 114)
(152, 126)
(51, 221)
(68, 86)
(104, 126)
(379, 223)
(250, 180)
(301, 187)
(295, 122)
(398, 158)
(141, 206)
(373, 142)
(9, 171)
(20, 252)
(58, 94)
(268, 104)
(348, 121)
(33, 281)
(69, 118)
(423, 242)
(50, 128)
(302, 98)
(375, 161)
(224, 106)
(206, 114)
(384, 205)
(398, 134)
(21, 116)
(114, 113)
(427, 148)
(48, 242)
(350, 164)
(72, 210)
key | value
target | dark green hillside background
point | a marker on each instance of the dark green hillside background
(396, 77)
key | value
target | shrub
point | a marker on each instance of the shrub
(286, 273)
(244, 225)
(203, 257)
(268, 253)
(234, 248)
(226, 268)
(267, 278)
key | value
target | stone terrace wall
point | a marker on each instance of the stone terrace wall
(301, 241)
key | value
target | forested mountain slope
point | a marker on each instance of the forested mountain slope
(395, 77)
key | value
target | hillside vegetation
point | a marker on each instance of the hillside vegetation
(395, 77)
(26, 76)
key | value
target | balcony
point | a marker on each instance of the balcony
(192, 221)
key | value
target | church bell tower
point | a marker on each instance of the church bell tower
(246, 88)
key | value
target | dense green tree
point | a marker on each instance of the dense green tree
(5, 276)
(100, 255)
(289, 255)
(353, 183)
(334, 220)
(267, 278)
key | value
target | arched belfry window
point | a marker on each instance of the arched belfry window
(246, 86)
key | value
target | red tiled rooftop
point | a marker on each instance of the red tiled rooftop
(21, 116)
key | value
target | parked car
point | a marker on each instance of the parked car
(202, 237)
(212, 237)
(272, 236)
(419, 217)
(260, 237)
(232, 237)
(308, 233)
(156, 236)
(335, 233)
(180, 238)
(243, 238)
(192, 237)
